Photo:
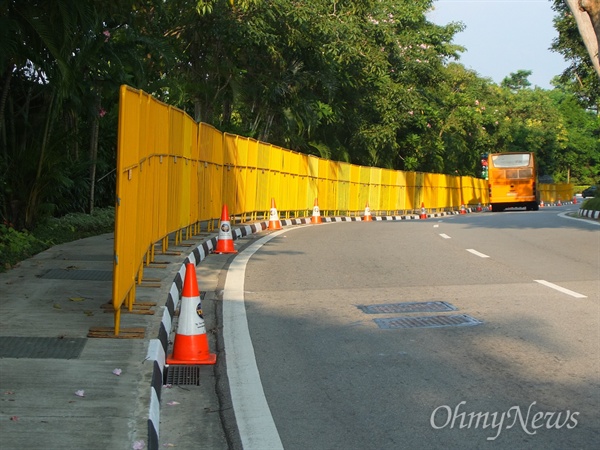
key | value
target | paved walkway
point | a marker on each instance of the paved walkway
(60, 389)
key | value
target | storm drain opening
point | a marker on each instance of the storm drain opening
(41, 347)
(410, 307)
(182, 375)
(460, 320)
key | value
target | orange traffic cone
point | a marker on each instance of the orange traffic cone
(542, 204)
(423, 212)
(462, 209)
(479, 208)
(191, 344)
(316, 216)
(367, 217)
(225, 238)
(574, 199)
(559, 203)
(274, 222)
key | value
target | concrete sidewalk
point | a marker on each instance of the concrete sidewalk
(60, 389)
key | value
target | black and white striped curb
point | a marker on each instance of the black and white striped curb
(589, 213)
(157, 349)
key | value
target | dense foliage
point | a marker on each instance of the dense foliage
(16, 246)
(371, 82)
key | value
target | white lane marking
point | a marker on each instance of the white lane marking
(475, 252)
(253, 416)
(445, 236)
(565, 215)
(436, 226)
(561, 289)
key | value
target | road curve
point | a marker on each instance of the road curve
(333, 379)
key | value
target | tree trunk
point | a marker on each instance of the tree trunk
(32, 207)
(197, 110)
(71, 124)
(587, 16)
(5, 89)
(94, 150)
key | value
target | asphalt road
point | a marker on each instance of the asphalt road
(527, 376)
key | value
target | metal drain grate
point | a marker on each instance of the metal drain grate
(83, 275)
(183, 375)
(41, 347)
(391, 308)
(460, 320)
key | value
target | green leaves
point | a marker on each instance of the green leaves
(371, 82)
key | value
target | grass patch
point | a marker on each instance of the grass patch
(591, 204)
(16, 246)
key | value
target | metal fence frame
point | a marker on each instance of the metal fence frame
(174, 174)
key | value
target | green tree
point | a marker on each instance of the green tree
(38, 73)
(531, 123)
(579, 158)
(316, 77)
(470, 120)
(61, 69)
(517, 80)
(579, 78)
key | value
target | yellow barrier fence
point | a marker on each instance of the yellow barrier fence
(555, 193)
(174, 175)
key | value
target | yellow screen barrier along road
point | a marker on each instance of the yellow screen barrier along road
(174, 174)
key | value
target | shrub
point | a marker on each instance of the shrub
(591, 204)
(15, 246)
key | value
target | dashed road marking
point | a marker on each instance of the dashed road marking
(561, 289)
(475, 252)
(445, 236)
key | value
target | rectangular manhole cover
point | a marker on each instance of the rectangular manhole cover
(81, 275)
(460, 320)
(41, 347)
(183, 375)
(391, 308)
